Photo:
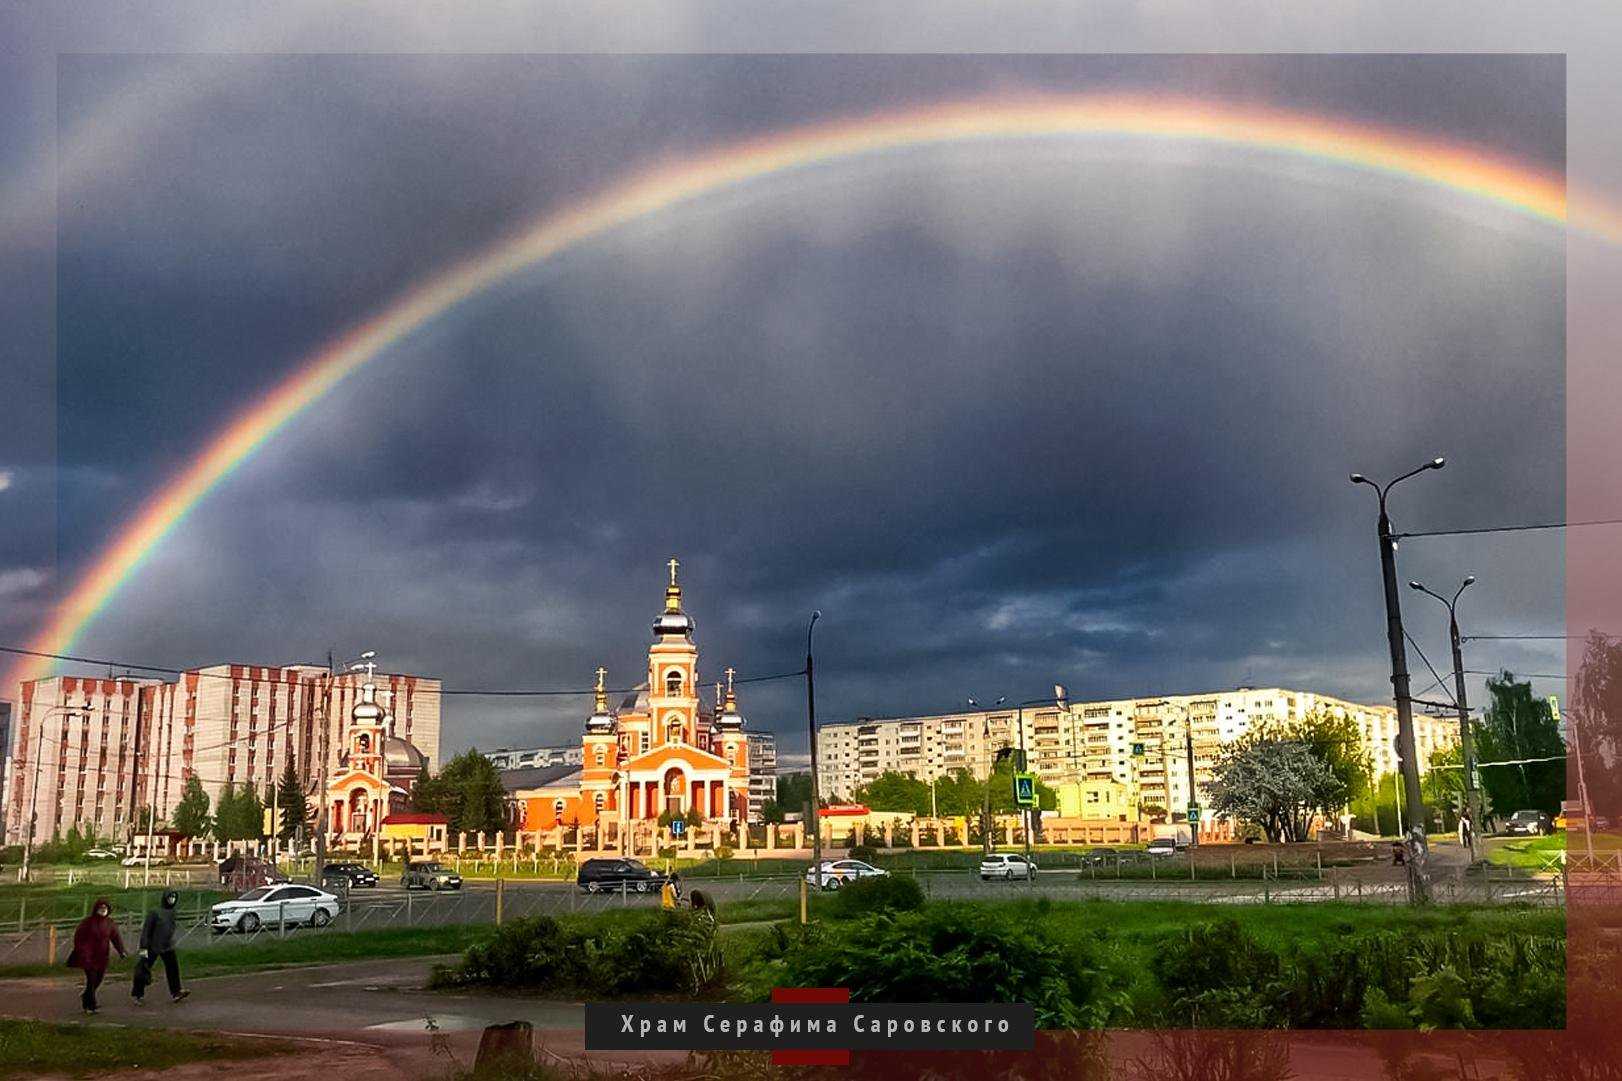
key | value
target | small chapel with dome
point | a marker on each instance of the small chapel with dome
(376, 770)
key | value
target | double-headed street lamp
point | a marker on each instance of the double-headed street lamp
(33, 795)
(1467, 743)
(1395, 641)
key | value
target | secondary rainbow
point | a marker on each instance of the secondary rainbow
(1421, 158)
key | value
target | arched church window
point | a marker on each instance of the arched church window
(557, 807)
(673, 683)
(599, 801)
(601, 756)
(674, 735)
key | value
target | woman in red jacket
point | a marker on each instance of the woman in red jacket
(93, 941)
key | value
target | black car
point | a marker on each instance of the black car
(614, 875)
(347, 876)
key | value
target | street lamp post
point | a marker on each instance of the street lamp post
(1467, 743)
(1399, 653)
(811, 728)
(991, 762)
(33, 795)
(1058, 700)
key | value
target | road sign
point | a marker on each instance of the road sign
(1025, 789)
(677, 827)
(1194, 813)
(1137, 750)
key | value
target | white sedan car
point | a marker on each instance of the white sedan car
(836, 873)
(284, 904)
(998, 865)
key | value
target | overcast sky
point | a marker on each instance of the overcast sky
(1066, 410)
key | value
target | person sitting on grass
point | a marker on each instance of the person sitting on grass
(93, 942)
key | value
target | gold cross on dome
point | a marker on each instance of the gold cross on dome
(602, 673)
(730, 673)
(673, 564)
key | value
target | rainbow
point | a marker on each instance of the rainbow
(1419, 158)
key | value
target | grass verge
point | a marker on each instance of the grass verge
(32, 1047)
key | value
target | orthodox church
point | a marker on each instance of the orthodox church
(661, 750)
(375, 771)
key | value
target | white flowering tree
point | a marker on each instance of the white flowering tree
(1279, 785)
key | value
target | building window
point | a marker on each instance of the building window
(673, 683)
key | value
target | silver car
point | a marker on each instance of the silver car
(288, 904)
(836, 873)
(998, 865)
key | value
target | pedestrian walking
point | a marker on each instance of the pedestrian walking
(158, 941)
(93, 942)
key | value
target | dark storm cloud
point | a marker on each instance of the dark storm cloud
(1076, 414)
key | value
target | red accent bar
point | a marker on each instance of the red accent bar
(810, 1058)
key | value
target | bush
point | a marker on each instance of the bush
(881, 893)
(865, 853)
(949, 954)
(667, 950)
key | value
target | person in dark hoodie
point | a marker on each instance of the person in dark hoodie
(158, 940)
(93, 942)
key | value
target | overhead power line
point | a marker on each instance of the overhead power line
(1507, 528)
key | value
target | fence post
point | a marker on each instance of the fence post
(408, 907)
(1267, 893)
(50, 944)
(1233, 866)
(1320, 856)
(1154, 874)
(1275, 865)
(281, 919)
(1191, 864)
(22, 911)
(500, 889)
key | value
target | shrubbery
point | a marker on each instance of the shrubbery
(881, 893)
(661, 951)
(865, 853)
(948, 953)
(1217, 975)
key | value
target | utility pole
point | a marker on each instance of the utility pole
(1467, 742)
(1030, 813)
(986, 829)
(321, 786)
(1193, 793)
(811, 728)
(1396, 643)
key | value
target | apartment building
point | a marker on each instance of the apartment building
(100, 748)
(1143, 743)
(762, 772)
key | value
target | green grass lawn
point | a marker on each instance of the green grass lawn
(1531, 853)
(32, 903)
(32, 1047)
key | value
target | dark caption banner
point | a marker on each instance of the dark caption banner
(880, 1026)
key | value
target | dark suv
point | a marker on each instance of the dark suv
(347, 876)
(601, 876)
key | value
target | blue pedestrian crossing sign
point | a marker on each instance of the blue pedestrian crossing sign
(677, 827)
(1025, 789)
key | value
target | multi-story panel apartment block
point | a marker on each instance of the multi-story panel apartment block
(762, 772)
(1141, 742)
(100, 748)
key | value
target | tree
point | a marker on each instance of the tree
(467, 792)
(225, 813)
(794, 792)
(771, 812)
(292, 808)
(959, 793)
(1594, 718)
(892, 791)
(249, 824)
(1518, 726)
(1334, 738)
(1278, 785)
(191, 817)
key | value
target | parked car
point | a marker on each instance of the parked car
(137, 861)
(1162, 846)
(1099, 857)
(835, 873)
(1006, 867)
(614, 875)
(286, 905)
(347, 876)
(248, 872)
(1528, 824)
(100, 854)
(430, 876)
